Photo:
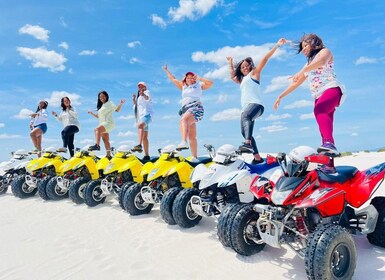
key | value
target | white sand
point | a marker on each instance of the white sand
(60, 240)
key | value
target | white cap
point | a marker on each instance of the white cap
(142, 83)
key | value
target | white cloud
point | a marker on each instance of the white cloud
(166, 101)
(126, 134)
(56, 96)
(133, 60)
(299, 104)
(133, 44)
(272, 117)
(354, 134)
(64, 45)
(169, 117)
(2, 125)
(158, 21)
(227, 115)
(62, 22)
(36, 31)
(87, 141)
(304, 128)
(222, 98)
(191, 9)
(9, 136)
(109, 53)
(306, 116)
(24, 114)
(130, 143)
(88, 52)
(365, 60)
(238, 53)
(278, 83)
(42, 58)
(128, 117)
(273, 128)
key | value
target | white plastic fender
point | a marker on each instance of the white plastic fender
(198, 172)
(242, 179)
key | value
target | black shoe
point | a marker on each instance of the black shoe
(109, 157)
(146, 158)
(257, 161)
(137, 148)
(95, 147)
(246, 148)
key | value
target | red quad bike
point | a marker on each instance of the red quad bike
(314, 213)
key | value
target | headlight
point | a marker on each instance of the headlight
(153, 172)
(279, 197)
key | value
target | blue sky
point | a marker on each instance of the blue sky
(77, 48)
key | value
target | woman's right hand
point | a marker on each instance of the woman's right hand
(229, 59)
(54, 113)
(281, 42)
(164, 67)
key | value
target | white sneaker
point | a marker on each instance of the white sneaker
(182, 145)
(194, 160)
(62, 150)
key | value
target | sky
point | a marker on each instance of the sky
(51, 49)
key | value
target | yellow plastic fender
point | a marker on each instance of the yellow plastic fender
(184, 170)
(135, 166)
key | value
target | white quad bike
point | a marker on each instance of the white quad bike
(223, 183)
(13, 168)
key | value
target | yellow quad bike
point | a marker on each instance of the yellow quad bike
(89, 169)
(39, 172)
(58, 186)
(140, 199)
(123, 168)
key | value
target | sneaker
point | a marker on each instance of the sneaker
(329, 149)
(194, 160)
(35, 151)
(62, 150)
(182, 145)
(95, 147)
(246, 148)
(327, 169)
(137, 148)
(146, 158)
(254, 161)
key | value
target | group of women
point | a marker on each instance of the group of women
(326, 90)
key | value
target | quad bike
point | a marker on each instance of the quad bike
(87, 171)
(13, 168)
(224, 182)
(314, 213)
(124, 168)
(140, 198)
(39, 172)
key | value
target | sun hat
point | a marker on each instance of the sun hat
(142, 83)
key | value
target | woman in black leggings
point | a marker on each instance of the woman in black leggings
(69, 118)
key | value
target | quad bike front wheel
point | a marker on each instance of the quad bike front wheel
(76, 189)
(53, 190)
(377, 237)
(20, 188)
(166, 205)
(183, 213)
(93, 194)
(244, 235)
(227, 216)
(42, 187)
(330, 254)
(122, 192)
(3, 187)
(133, 201)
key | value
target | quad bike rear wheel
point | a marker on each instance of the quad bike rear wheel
(226, 217)
(42, 187)
(93, 194)
(183, 213)
(166, 205)
(377, 237)
(133, 201)
(20, 188)
(122, 192)
(330, 254)
(76, 189)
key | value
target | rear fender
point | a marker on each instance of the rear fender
(328, 201)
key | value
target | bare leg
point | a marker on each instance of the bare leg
(98, 132)
(141, 132)
(145, 143)
(36, 137)
(185, 122)
(193, 140)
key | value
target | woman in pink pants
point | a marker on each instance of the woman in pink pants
(324, 86)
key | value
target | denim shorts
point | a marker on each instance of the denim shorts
(146, 120)
(42, 126)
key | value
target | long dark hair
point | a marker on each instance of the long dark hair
(62, 103)
(100, 104)
(316, 45)
(136, 106)
(44, 107)
(238, 72)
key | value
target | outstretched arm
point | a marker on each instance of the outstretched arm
(206, 83)
(288, 90)
(231, 68)
(256, 74)
(120, 105)
(177, 83)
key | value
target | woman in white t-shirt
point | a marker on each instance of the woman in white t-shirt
(143, 114)
(192, 109)
(38, 125)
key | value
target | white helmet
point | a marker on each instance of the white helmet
(124, 149)
(168, 149)
(225, 153)
(297, 163)
(19, 154)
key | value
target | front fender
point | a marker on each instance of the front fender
(184, 170)
(198, 173)
(242, 179)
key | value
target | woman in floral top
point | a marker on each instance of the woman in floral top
(324, 86)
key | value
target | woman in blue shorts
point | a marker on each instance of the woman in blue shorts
(38, 125)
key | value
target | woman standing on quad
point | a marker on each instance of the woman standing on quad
(106, 122)
(324, 86)
(69, 117)
(249, 78)
(192, 110)
(38, 125)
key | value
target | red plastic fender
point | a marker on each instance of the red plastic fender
(328, 201)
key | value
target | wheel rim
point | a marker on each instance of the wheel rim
(97, 194)
(190, 213)
(26, 189)
(250, 232)
(340, 260)
(81, 190)
(59, 191)
(139, 202)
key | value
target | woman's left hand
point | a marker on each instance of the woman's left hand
(122, 101)
(276, 103)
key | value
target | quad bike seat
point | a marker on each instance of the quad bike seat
(200, 160)
(343, 174)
